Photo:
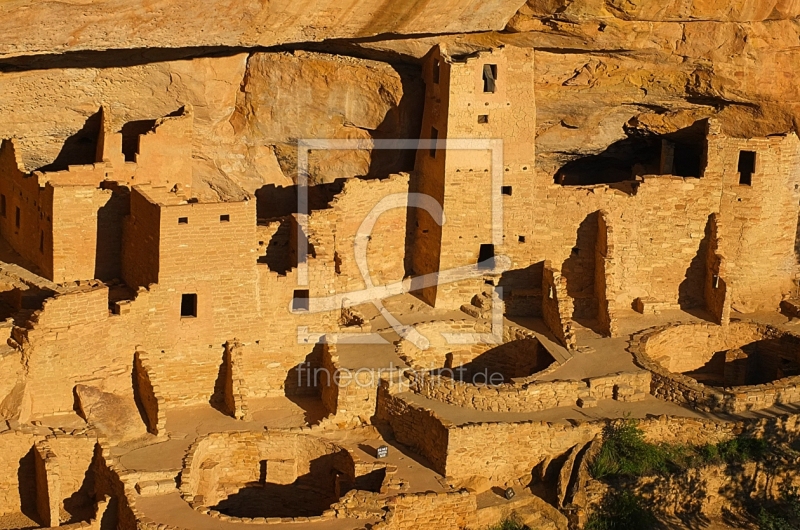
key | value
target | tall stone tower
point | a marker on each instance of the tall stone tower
(485, 96)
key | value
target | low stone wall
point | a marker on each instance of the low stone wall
(17, 461)
(529, 395)
(667, 350)
(222, 463)
(508, 451)
(504, 451)
(518, 348)
(40, 468)
(349, 396)
(148, 393)
(558, 306)
(235, 387)
(48, 485)
(97, 522)
(417, 427)
(442, 511)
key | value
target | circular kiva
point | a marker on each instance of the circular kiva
(270, 474)
(500, 377)
(734, 368)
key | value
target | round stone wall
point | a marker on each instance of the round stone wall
(503, 377)
(517, 355)
(742, 366)
(265, 474)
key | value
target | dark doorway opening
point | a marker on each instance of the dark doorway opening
(747, 166)
(188, 305)
(489, 78)
(486, 256)
(300, 300)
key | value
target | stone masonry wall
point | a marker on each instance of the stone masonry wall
(75, 454)
(716, 288)
(414, 426)
(605, 275)
(74, 338)
(18, 468)
(519, 447)
(758, 221)
(332, 232)
(667, 351)
(17, 453)
(443, 511)
(48, 484)
(557, 306)
(148, 393)
(222, 463)
(352, 398)
(235, 387)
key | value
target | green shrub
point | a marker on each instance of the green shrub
(742, 449)
(626, 453)
(621, 511)
(782, 515)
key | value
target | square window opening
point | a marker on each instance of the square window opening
(183, 220)
(437, 66)
(188, 305)
(434, 139)
(506, 190)
(483, 118)
(300, 300)
(489, 78)
(747, 166)
(486, 256)
(521, 239)
(224, 218)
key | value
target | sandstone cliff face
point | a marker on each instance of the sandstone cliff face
(286, 97)
(246, 112)
(657, 66)
(32, 27)
(605, 70)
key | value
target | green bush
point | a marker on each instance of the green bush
(742, 449)
(626, 453)
(782, 515)
(621, 511)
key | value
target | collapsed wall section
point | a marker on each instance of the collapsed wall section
(605, 279)
(557, 307)
(716, 288)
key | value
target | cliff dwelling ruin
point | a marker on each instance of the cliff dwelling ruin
(398, 267)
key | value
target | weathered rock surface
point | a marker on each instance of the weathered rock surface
(115, 416)
(244, 112)
(32, 27)
(605, 70)
(286, 97)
